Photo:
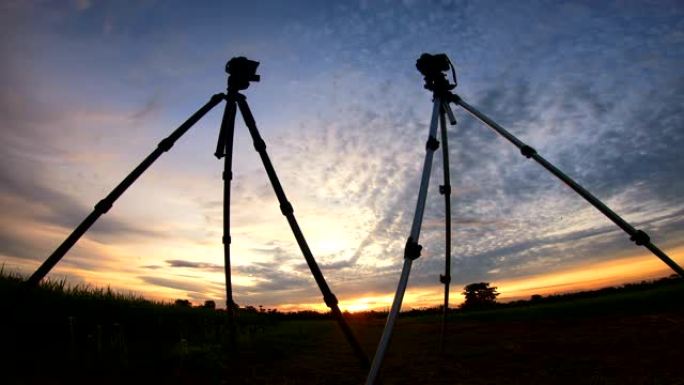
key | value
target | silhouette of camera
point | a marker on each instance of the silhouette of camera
(432, 66)
(241, 71)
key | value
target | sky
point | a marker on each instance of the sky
(88, 88)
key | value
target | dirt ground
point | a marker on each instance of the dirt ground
(642, 349)
(625, 338)
(602, 350)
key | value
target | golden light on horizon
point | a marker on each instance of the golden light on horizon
(357, 307)
(367, 302)
(589, 276)
(416, 298)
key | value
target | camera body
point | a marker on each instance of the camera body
(241, 71)
(433, 68)
(432, 65)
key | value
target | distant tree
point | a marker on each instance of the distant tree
(209, 304)
(536, 298)
(479, 295)
(183, 303)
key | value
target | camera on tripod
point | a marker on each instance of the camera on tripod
(241, 71)
(432, 67)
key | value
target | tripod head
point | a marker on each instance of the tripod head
(432, 67)
(240, 72)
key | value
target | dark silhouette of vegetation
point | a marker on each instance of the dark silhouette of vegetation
(183, 303)
(59, 331)
(479, 295)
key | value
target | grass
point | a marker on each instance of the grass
(665, 296)
(61, 334)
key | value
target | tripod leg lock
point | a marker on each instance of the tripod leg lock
(445, 189)
(286, 208)
(528, 151)
(330, 300)
(412, 249)
(640, 238)
(259, 145)
(166, 144)
(445, 279)
(432, 144)
(103, 206)
(227, 175)
(226, 239)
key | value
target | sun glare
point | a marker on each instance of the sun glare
(357, 307)
(365, 303)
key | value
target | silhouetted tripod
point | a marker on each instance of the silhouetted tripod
(241, 72)
(432, 67)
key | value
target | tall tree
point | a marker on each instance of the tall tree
(479, 295)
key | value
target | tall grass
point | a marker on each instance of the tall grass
(12, 282)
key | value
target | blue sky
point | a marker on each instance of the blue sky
(90, 87)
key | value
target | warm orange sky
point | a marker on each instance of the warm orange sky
(632, 267)
(589, 276)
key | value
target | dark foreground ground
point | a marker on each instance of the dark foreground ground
(632, 337)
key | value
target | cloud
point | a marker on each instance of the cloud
(33, 203)
(578, 118)
(183, 285)
(194, 265)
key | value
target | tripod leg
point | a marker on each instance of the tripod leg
(637, 236)
(105, 204)
(287, 210)
(412, 249)
(445, 190)
(226, 142)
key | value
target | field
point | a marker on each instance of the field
(61, 335)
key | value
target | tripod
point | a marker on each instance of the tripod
(440, 110)
(241, 72)
(432, 68)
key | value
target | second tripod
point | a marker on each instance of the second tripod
(412, 249)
